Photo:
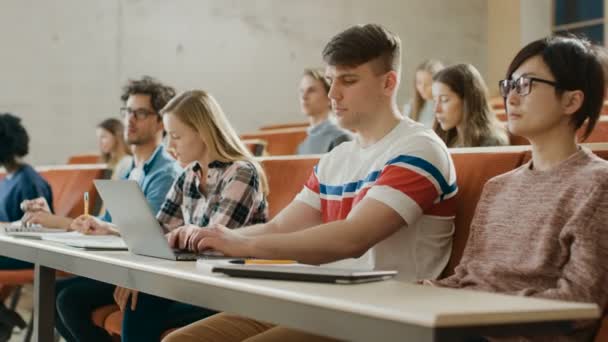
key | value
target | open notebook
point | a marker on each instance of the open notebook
(73, 239)
(34, 231)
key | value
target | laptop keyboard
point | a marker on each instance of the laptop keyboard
(184, 255)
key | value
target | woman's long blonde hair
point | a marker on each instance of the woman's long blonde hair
(432, 66)
(200, 111)
(479, 123)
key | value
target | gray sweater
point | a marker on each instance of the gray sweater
(323, 137)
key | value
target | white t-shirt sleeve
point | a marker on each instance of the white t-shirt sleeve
(415, 180)
(310, 193)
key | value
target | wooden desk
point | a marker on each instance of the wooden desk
(387, 311)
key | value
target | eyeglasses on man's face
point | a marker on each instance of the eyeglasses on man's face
(522, 85)
(139, 113)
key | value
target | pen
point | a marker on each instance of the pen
(262, 262)
(86, 203)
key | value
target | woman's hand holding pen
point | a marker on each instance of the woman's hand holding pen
(91, 225)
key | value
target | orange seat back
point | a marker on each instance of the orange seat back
(286, 177)
(599, 133)
(69, 183)
(84, 159)
(473, 169)
(280, 142)
(257, 147)
(286, 125)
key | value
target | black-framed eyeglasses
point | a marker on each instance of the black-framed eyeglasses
(522, 85)
(140, 113)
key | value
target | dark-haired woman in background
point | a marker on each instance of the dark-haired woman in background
(463, 117)
(21, 182)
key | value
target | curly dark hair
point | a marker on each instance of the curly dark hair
(159, 93)
(14, 141)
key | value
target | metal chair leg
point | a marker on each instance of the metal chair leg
(15, 297)
(30, 329)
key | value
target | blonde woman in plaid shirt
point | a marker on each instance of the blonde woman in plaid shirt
(221, 184)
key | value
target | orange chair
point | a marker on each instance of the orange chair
(257, 147)
(280, 141)
(501, 114)
(286, 125)
(600, 131)
(286, 177)
(70, 182)
(88, 158)
(497, 103)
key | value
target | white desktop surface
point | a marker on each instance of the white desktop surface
(389, 308)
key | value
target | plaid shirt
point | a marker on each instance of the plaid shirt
(231, 198)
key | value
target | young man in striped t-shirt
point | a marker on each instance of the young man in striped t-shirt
(386, 198)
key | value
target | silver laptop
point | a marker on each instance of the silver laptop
(138, 226)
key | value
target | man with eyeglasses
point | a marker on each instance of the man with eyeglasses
(155, 171)
(153, 167)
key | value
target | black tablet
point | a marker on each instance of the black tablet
(304, 273)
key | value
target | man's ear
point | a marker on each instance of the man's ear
(572, 101)
(391, 82)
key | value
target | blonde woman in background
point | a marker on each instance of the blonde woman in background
(221, 184)
(421, 106)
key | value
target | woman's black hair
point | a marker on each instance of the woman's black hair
(14, 141)
(575, 65)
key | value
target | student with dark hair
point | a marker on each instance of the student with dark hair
(396, 172)
(222, 183)
(462, 111)
(323, 134)
(540, 230)
(20, 183)
(152, 168)
(115, 151)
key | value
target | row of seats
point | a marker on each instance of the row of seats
(498, 104)
(474, 166)
(285, 141)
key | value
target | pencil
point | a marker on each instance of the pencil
(86, 203)
(262, 262)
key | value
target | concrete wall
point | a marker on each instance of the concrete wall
(63, 62)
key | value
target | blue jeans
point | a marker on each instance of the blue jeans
(78, 297)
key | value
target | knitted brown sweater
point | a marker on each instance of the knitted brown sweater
(542, 234)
